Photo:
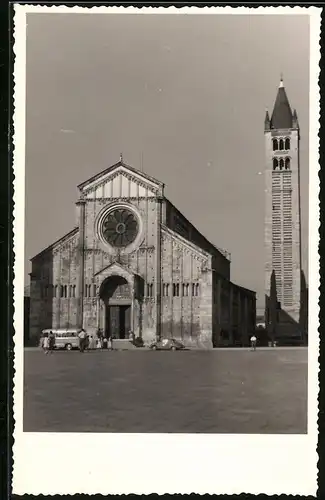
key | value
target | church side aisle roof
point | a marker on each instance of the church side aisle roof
(211, 246)
(58, 242)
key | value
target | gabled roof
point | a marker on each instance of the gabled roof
(57, 242)
(282, 114)
(116, 166)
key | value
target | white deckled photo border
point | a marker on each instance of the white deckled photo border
(204, 463)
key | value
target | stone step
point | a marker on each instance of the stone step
(124, 345)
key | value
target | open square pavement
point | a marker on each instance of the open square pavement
(219, 391)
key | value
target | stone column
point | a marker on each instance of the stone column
(98, 312)
(81, 261)
(230, 298)
(158, 269)
(240, 328)
(218, 309)
(245, 320)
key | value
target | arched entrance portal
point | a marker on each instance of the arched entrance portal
(117, 311)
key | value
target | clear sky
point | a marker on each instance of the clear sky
(189, 92)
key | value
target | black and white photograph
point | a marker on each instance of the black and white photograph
(166, 246)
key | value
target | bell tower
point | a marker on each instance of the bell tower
(282, 198)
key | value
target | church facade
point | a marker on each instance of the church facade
(135, 263)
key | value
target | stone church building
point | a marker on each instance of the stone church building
(134, 262)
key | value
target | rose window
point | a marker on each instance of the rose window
(120, 227)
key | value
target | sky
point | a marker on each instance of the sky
(183, 97)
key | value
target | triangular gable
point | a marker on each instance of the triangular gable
(114, 269)
(121, 181)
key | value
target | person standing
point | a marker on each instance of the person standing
(82, 340)
(45, 344)
(253, 340)
(51, 339)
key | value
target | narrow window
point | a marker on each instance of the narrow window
(197, 289)
(287, 163)
(193, 289)
(186, 289)
(281, 163)
(281, 145)
(65, 294)
(183, 289)
(61, 291)
(287, 144)
(74, 291)
(275, 144)
(151, 290)
(275, 163)
(167, 290)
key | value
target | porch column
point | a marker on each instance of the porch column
(132, 308)
(158, 269)
(81, 268)
(98, 312)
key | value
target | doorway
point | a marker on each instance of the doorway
(118, 321)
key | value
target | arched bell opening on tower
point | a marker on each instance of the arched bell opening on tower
(287, 144)
(275, 163)
(275, 144)
(287, 163)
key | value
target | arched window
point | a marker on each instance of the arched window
(287, 144)
(65, 294)
(287, 163)
(175, 289)
(193, 289)
(186, 290)
(275, 163)
(74, 291)
(197, 289)
(183, 289)
(281, 144)
(71, 291)
(281, 164)
(61, 291)
(167, 290)
(275, 144)
(149, 289)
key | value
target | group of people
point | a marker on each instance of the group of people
(48, 343)
(89, 342)
(86, 341)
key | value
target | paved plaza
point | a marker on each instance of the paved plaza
(217, 391)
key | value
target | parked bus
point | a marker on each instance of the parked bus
(64, 338)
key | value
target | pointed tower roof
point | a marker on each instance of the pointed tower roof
(282, 114)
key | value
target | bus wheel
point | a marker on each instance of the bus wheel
(68, 347)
